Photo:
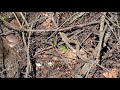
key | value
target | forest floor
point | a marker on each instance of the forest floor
(59, 45)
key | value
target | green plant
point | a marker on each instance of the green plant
(63, 48)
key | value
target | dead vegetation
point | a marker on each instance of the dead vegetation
(59, 44)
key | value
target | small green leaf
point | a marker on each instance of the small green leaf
(63, 48)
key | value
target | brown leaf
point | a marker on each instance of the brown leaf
(111, 74)
(14, 22)
(85, 68)
(55, 58)
(82, 52)
(46, 24)
(70, 54)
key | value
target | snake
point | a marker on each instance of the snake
(77, 50)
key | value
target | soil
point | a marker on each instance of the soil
(42, 53)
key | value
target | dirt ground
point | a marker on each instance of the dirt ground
(59, 44)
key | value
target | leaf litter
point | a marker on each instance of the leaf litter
(53, 59)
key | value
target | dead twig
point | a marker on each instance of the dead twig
(86, 38)
(77, 16)
(17, 19)
(99, 47)
(14, 27)
(24, 41)
(62, 29)
(27, 24)
(60, 26)
(23, 37)
(111, 29)
(9, 25)
(28, 68)
(111, 21)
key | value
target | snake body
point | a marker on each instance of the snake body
(77, 50)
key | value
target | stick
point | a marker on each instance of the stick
(111, 28)
(14, 27)
(24, 19)
(111, 21)
(77, 16)
(99, 47)
(27, 47)
(28, 58)
(59, 27)
(62, 29)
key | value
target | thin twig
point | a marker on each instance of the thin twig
(27, 24)
(27, 47)
(24, 41)
(60, 26)
(99, 47)
(17, 19)
(111, 29)
(14, 27)
(86, 38)
(23, 36)
(56, 26)
(103, 67)
(4, 70)
(62, 29)
(28, 57)
(111, 21)
(28, 68)
(102, 32)
(77, 16)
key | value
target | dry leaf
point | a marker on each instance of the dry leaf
(82, 52)
(55, 58)
(45, 56)
(85, 68)
(46, 15)
(118, 64)
(51, 63)
(15, 22)
(46, 24)
(10, 41)
(70, 57)
(111, 74)
(70, 54)
(85, 56)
